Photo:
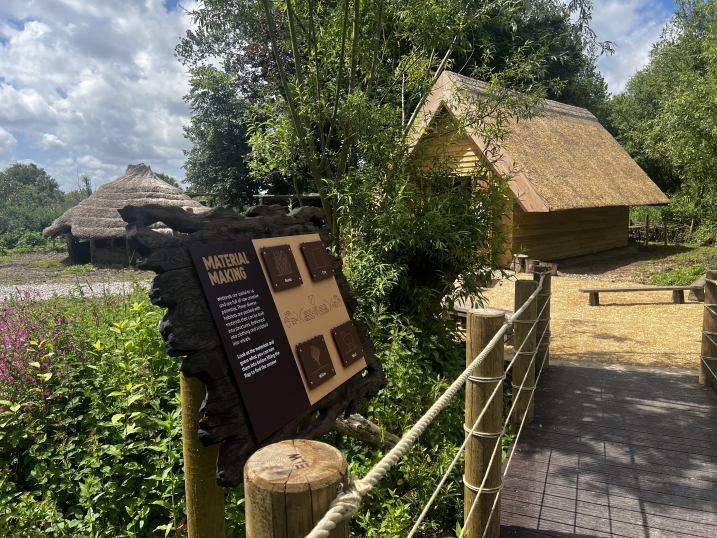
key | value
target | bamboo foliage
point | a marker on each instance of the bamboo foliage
(357, 66)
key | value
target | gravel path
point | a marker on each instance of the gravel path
(95, 289)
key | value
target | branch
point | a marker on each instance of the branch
(425, 95)
(366, 431)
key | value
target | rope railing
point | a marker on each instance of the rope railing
(708, 355)
(472, 431)
(495, 450)
(348, 502)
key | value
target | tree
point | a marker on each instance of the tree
(167, 179)
(665, 118)
(217, 161)
(334, 104)
(21, 184)
(30, 199)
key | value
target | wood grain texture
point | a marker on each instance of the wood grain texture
(289, 487)
(708, 363)
(188, 327)
(524, 367)
(481, 326)
(563, 234)
(615, 453)
(542, 357)
(205, 500)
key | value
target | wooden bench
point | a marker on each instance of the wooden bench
(678, 292)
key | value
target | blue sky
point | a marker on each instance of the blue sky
(90, 86)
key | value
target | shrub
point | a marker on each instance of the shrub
(677, 277)
(90, 421)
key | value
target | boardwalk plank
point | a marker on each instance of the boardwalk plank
(613, 453)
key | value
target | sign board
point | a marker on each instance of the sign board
(282, 322)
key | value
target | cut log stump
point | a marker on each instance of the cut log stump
(289, 486)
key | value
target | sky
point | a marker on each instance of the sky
(90, 86)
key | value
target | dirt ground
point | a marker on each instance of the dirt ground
(633, 263)
(55, 268)
(643, 328)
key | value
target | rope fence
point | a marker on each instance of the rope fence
(708, 354)
(347, 502)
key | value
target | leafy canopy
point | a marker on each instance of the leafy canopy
(665, 118)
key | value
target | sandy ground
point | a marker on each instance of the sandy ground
(643, 328)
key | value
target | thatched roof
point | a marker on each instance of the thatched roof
(561, 159)
(96, 217)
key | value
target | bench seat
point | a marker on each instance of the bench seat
(678, 292)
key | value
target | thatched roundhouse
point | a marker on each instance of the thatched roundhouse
(94, 230)
(572, 183)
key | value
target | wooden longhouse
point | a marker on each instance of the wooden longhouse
(572, 183)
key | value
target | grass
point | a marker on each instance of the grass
(674, 265)
(677, 277)
(49, 264)
(80, 269)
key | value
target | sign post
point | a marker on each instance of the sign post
(261, 314)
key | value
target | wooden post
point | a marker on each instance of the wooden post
(288, 487)
(647, 229)
(531, 264)
(92, 251)
(524, 367)
(481, 326)
(709, 332)
(70, 251)
(542, 358)
(664, 227)
(205, 500)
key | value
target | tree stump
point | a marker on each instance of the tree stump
(289, 486)
(189, 331)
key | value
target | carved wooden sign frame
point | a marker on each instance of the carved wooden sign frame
(189, 330)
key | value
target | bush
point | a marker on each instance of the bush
(677, 277)
(90, 421)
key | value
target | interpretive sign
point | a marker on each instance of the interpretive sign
(201, 309)
(278, 327)
(317, 259)
(246, 318)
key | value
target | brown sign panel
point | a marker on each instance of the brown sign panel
(247, 320)
(282, 267)
(348, 342)
(316, 360)
(317, 259)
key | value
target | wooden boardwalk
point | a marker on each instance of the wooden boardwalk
(615, 453)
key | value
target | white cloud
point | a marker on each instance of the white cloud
(96, 81)
(7, 142)
(50, 141)
(634, 26)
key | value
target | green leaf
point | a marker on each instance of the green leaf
(119, 417)
(34, 364)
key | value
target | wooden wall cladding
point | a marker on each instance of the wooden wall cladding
(189, 331)
(575, 232)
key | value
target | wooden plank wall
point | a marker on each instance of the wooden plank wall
(563, 234)
(453, 147)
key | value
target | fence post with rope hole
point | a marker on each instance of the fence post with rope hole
(482, 325)
(288, 487)
(524, 370)
(708, 355)
(542, 358)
